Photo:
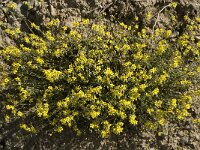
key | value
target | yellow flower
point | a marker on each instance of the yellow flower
(198, 19)
(163, 77)
(126, 47)
(80, 94)
(148, 15)
(52, 75)
(136, 18)
(198, 69)
(42, 110)
(187, 106)
(158, 103)
(76, 24)
(106, 125)
(150, 125)
(123, 25)
(185, 82)
(94, 114)
(155, 92)
(94, 126)
(104, 133)
(29, 129)
(7, 119)
(161, 47)
(59, 129)
(20, 114)
(12, 51)
(132, 120)
(17, 79)
(118, 128)
(122, 115)
(11, 5)
(40, 60)
(111, 110)
(186, 18)
(67, 120)
(24, 94)
(150, 110)
(109, 72)
(53, 22)
(23, 126)
(85, 21)
(125, 103)
(58, 52)
(143, 87)
(15, 67)
(173, 102)
(59, 104)
(153, 70)
(29, 63)
(5, 82)
(33, 25)
(49, 36)
(32, 128)
(173, 4)
(173, 18)
(10, 107)
(168, 33)
(196, 120)
(161, 121)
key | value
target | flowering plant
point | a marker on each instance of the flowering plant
(99, 76)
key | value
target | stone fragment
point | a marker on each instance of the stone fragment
(53, 10)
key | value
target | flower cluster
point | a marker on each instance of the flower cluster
(111, 77)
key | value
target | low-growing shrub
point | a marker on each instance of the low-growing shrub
(101, 76)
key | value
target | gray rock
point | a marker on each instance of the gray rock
(53, 10)
(185, 139)
(181, 133)
(197, 136)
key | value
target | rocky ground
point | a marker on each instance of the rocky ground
(182, 135)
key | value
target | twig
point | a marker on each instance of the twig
(158, 16)
(106, 7)
(28, 25)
